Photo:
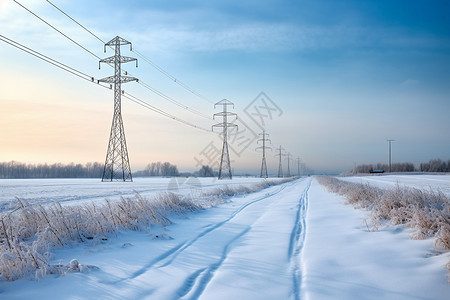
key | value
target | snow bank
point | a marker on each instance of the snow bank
(427, 211)
(343, 260)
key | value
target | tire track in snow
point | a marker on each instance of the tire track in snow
(296, 242)
(214, 227)
(172, 253)
(197, 282)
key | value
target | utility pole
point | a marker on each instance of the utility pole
(280, 166)
(263, 163)
(299, 162)
(117, 164)
(288, 173)
(390, 162)
(225, 157)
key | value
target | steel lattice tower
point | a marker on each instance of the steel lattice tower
(225, 164)
(280, 166)
(288, 173)
(263, 173)
(117, 164)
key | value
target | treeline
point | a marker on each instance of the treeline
(396, 167)
(158, 169)
(434, 165)
(166, 169)
(15, 169)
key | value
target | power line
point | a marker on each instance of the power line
(172, 100)
(60, 32)
(103, 42)
(48, 59)
(159, 111)
(161, 94)
(91, 79)
(174, 79)
(150, 62)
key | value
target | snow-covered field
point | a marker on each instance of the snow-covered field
(433, 182)
(74, 191)
(291, 241)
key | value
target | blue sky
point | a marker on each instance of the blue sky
(346, 76)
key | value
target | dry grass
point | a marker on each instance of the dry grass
(426, 211)
(29, 232)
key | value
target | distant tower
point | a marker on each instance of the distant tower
(117, 164)
(280, 166)
(299, 162)
(288, 174)
(225, 165)
(390, 161)
(263, 163)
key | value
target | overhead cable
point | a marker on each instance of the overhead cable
(150, 62)
(174, 79)
(78, 23)
(60, 32)
(47, 59)
(89, 78)
(147, 86)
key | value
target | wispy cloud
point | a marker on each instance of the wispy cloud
(248, 37)
(203, 29)
(267, 37)
(410, 82)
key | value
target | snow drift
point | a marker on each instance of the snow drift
(426, 211)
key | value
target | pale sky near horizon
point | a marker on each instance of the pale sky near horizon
(338, 79)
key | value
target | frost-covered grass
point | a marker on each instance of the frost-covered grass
(426, 211)
(29, 232)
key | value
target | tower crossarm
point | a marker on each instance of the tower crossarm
(121, 59)
(224, 102)
(118, 41)
(263, 147)
(225, 114)
(123, 79)
(228, 125)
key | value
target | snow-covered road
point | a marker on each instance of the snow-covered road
(233, 255)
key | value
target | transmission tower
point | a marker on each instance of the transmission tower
(299, 162)
(225, 166)
(263, 163)
(288, 173)
(280, 166)
(117, 164)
